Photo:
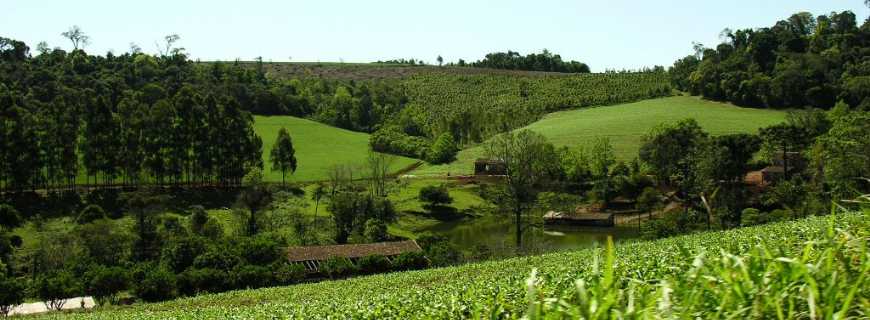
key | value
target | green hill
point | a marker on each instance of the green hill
(318, 147)
(625, 124)
(786, 270)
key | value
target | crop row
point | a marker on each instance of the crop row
(815, 267)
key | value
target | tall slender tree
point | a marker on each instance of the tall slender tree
(283, 156)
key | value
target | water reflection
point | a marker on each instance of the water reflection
(498, 232)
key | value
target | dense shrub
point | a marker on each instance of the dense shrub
(375, 230)
(217, 257)
(435, 196)
(337, 267)
(751, 217)
(105, 283)
(251, 276)
(373, 264)
(155, 284)
(391, 139)
(90, 213)
(443, 150)
(410, 261)
(439, 250)
(194, 281)
(11, 293)
(260, 250)
(288, 273)
(54, 288)
(9, 217)
(179, 253)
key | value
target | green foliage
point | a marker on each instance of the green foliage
(154, 283)
(443, 150)
(649, 199)
(11, 293)
(373, 264)
(252, 276)
(842, 155)
(707, 275)
(338, 267)
(435, 195)
(283, 156)
(410, 261)
(90, 213)
(288, 273)
(195, 281)
(751, 217)
(544, 61)
(106, 243)
(105, 283)
(671, 150)
(788, 65)
(179, 253)
(9, 217)
(261, 250)
(375, 230)
(54, 288)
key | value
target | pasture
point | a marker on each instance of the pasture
(625, 125)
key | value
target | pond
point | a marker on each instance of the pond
(499, 232)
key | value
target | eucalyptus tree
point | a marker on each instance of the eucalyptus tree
(283, 156)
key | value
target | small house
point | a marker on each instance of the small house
(312, 256)
(489, 167)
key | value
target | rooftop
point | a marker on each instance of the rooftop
(319, 253)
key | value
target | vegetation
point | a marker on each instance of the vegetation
(544, 61)
(800, 61)
(644, 279)
(577, 129)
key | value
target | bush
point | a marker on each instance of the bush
(11, 294)
(105, 282)
(90, 214)
(252, 276)
(443, 150)
(194, 281)
(440, 251)
(260, 250)
(217, 257)
(751, 217)
(648, 200)
(779, 215)
(180, 253)
(374, 264)
(55, 288)
(410, 261)
(337, 267)
(288, 273)
(156, 284)
(9, 217)
(375, 230)
(435, 195)
(391, 139)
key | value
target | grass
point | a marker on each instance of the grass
(811, 268)
(318, 147)
(625, 125)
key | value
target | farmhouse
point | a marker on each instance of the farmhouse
(489, 167)
(312, 256)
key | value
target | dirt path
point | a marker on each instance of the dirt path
(39, 307)
(628, 219)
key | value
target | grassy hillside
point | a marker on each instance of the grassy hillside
(318, 147)
(812, 268)
(625, 124)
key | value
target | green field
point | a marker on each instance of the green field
(625, 124)
(318, 147)
(816, 265)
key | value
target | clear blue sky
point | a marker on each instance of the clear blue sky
(604, 34)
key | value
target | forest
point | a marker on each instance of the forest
(800, 61)
(136, 178)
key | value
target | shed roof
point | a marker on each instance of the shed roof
(319, 253)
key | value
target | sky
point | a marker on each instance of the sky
(604, 34)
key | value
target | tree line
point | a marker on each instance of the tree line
(544, 61)
(800, 61)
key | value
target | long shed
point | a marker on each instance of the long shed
(312, 256)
